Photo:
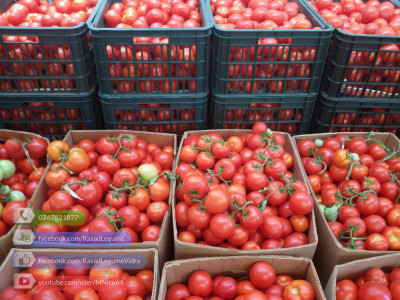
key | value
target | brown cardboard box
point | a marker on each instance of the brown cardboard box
(151, 255)
(6, 240)
(357, 268)
(188, 250)
(163, 245)
(329, 252)
(179, 271)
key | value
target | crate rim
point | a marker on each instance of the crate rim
(141, 97)
(347, 99)
(31, 97)
(257, 97)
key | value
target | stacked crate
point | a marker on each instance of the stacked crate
(47, 79)
(360, 87)
(271, 76)
(152, 79)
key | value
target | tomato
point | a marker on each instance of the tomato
(346, 289)
(393, 218)
(61, 200)
(262, 275)
(177, 291)
(300, 223)
(106, 163)
(304, 147)
(7, 215)
(217, 201)
(341, 158)
(226, 288)
(377, 242)
(56, 149)
(195, 185)
(372, 290)
(43, 269)
(222, 226)
(156, 211)
(299, 288)
(368, 205)
(37, 147)
(200, 284)
(225, 168)
(135, 286)
(90, 194)
(301, 203)
(392, 234)
(159, 191)
(358, 224)
(375, 224)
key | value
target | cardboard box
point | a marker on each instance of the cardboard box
(151, 255)
(6, 240)
(179, 271)
(356, 268)
(189, 250)
(329, 251)
(164, 244)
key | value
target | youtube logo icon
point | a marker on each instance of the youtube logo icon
(23, 281)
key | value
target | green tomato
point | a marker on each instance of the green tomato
(7, 167)
(331, 213)
(147, 172)
(319, 143)
(1, 175)
(17, 196)
(5, 189)
(1, 209)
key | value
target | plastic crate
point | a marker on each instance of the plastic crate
(51, 115)
(357, 66)
(356, 115)
(169, 114)
(288, 67)
(291, 114)
(163, 70)
(37, 64)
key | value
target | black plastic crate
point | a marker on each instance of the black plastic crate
(51, 115)
(356, 114)
(169, 114)
(177, 62)
(358, 66)
(36, 62)
(293, 65)
(290, 114)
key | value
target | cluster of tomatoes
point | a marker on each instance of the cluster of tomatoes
(36, 13)
(271, 113)
(263, 283)
(79, 280)
(240, 193)
(121, 184)
(265, 14)
(22, 164)
(43, 111)
(367, 117)
(357, 17)
(150, 76)
(356, 181)
(373, 17)
(374, 284)
(258, 14)
(154, 116)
